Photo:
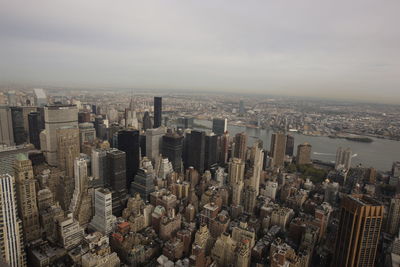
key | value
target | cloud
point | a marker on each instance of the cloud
(320, 48)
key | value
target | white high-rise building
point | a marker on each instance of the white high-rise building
(69, 231)
(11, 241)
(163, 168)
(81, 183)
(270, 189)
(154, 142)
(40, 97)
(343, 158)
(99, 164)
(103, 220)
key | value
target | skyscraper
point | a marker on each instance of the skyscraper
(235, 179)
(40, 97)
(289, 145)
(11, 241)
(224, 149)
(26, 197)
(99, 166)
(240, 146)
(195, 149)
(154, 139)
(210, 151)
(146, 121)
(143, 183)
(131, 120)
(157, 111)
(67, 149)
(303, 154)
(128, 141)
(103, 219)
(172, 145)
(55, 117)
(17, 117)
(219, 126)
(34, 121)
(358, 234)
(393, 220)
(343, 158)
(116, 166)
(256, 161)
(6, 126)
(278, 149)
(80, 205)
(241, 108)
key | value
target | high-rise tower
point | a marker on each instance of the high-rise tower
(172, 145)
(358, 234)
(240, 146)
(157, 111)
(303, 154)
(17, 116)
(6, 126)
(11, 241)
(26, 197)
(56, 117)
(219, 126)
(103, 219)
(278, 149)
(343, 158)
(34, 121)
(195, 150)
(128, 141)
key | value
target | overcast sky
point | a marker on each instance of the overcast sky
(336, 48)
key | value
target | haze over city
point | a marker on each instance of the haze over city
(333, 49)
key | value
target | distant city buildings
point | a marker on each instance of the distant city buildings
(92, 183)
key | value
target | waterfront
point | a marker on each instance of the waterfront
(379, 154)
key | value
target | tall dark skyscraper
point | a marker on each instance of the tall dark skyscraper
(358, 234)
(289, 145)
(195, 150)
(157, 111)
(210, 151)
(116, 173)
(219, 126)
(172, 145)
(98, 122)
(34, 122)
(18, 125)
(128, 141)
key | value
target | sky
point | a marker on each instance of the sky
(336, 48)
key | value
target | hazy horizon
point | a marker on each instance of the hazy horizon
(335, 49)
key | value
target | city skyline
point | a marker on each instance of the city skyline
(335, 50)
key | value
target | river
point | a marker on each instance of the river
(380, 154)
